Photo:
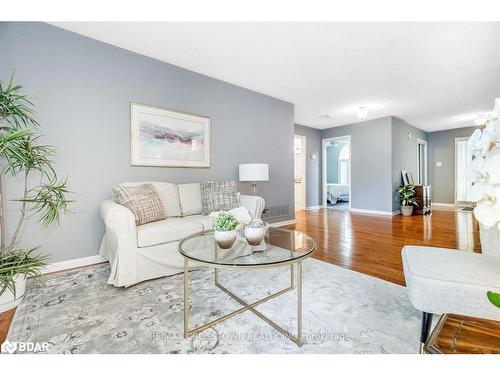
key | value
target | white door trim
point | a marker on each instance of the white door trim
(304, 168)
(457, 203)
(426, 157)
(324, 143)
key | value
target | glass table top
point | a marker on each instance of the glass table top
(280, 246)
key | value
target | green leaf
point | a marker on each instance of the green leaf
(494, 298)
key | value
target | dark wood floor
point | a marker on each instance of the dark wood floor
(372, 244)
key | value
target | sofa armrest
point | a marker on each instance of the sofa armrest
(119, 220)
(254, 204)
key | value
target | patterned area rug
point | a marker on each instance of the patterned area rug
(343, 312)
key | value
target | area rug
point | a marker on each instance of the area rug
(343, 312)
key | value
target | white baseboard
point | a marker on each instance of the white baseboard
(315, 207)
(374, 212)
(437, 204)
(283, 223)
(73, 263)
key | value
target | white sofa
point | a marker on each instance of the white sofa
(138, 253)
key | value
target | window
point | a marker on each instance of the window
(344, 165)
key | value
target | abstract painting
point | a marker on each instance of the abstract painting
(166, 138)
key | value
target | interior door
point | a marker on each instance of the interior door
(421, 162)
(299, 173)
(463, 158)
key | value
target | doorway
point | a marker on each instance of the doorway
(299, 172)
(421, 162)
(463, 158)
(337, 173)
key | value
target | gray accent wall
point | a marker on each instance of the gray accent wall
(404, 153)
(442, 149)
(313, 165)
(83, 88)
(371, 172)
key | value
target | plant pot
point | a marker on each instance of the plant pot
(225, 239)
(254, 235)
(406, 210)
(490, 241)
(7, 299)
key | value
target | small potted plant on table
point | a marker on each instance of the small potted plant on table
(225, 225)
(406, 195)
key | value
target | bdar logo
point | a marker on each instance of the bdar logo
(8, 347)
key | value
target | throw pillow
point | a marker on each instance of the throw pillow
(142, 200)
(218, 196)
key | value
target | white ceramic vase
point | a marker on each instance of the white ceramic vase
(490, 241)
(225, 239)
(8, 300)
(254, 236)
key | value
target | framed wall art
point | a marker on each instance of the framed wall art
(164, 138)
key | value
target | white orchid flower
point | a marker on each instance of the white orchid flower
(480, 191)
(496, 108)
(492, 166)
(493, 129)
(487, 215)
(476, 171)
(474, 143)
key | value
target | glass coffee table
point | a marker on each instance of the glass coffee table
(281, 247)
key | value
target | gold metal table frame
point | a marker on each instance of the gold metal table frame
(297, 339)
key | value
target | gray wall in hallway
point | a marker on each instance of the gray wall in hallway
(404, 153)
(313, 147)
(83, 88)
(371, 172)
(442, 149)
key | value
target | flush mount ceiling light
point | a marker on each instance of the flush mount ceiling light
(481, 119)
(362, 113)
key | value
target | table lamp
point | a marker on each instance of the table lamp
(254, 173)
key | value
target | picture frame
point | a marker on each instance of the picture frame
(161, 137)
(407, 178)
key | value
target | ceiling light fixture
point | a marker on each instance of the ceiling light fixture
(362, 113)
(481, 119)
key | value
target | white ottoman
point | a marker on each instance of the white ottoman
(447, 281)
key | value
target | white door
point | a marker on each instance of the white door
(463, 158)
(421, 162)
(299, 178)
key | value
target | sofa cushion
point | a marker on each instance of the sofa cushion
(446, 281)
(190, 199)
(206, 221)
(142, 200)
(218, 196)
(166, 231)
(169, 196)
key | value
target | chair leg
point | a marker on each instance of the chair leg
(425, 329)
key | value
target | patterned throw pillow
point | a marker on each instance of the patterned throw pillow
(142, 200)
(218, 196)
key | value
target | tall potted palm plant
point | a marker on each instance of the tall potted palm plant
(22, 154)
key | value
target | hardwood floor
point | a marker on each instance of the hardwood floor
(371, 244)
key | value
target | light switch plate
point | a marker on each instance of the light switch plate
(438, 164)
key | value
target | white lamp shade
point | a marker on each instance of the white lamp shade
(254, 172)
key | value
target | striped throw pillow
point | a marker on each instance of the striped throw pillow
(218, 196)
(142, 200)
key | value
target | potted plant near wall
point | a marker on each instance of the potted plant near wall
(22, 155)
(406, 194)
(225, 225)
(484, 174)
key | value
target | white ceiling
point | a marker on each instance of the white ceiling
(433, 75)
